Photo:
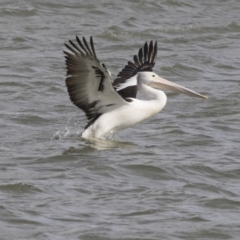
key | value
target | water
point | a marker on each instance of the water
(175, 176)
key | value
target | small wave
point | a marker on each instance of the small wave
(113, 33)
(19, 188)
(20, 11)
(234, 25)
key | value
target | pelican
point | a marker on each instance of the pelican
(111, 105)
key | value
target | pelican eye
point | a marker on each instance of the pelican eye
(153, 75)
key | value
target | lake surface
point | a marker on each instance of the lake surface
(175, 176)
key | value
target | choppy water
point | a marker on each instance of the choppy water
(176, 176)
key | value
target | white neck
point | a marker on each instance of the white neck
(151, 92)
(158, 97)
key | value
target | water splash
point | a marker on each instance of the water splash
(72, 130)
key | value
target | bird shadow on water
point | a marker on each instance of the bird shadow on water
(106, 144)
(87, 145)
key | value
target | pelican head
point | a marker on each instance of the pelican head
(153, 80)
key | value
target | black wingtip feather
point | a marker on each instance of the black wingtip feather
(154, 53)
(144, 61)
(71, 49)
(150, 53)
(146, 52)
(92, 46)
(140, 56)
(135, 58)
(82, 45)
(76, 47)
(87, 46)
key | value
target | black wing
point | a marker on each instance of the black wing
(89, 82)
(125, 84)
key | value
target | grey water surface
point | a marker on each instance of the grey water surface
(175, 176)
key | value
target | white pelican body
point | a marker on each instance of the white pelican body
(110, 110)
(125, 116)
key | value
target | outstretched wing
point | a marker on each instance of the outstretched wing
(89, 82)
(126, 82)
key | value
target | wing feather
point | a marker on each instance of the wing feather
(125, 84)
(89, 82)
